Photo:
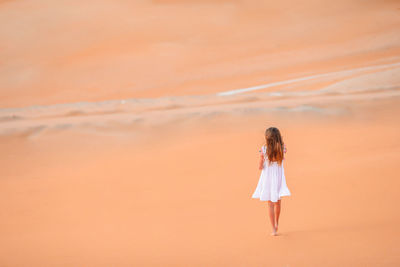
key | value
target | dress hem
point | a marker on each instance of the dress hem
(271, 199)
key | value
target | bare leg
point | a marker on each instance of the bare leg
(272, 216)
(277, 206)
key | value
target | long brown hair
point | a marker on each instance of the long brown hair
(274, 145)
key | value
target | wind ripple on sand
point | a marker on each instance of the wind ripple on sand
(130, 113)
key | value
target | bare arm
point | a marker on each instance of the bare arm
(261, 164)
(284, 151)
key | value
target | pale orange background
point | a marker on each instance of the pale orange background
(119, 145)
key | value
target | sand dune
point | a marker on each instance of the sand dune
(130, 130)
(179, 193)
(153, 111)
(74, 51)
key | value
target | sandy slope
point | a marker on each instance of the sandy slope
(72, 51)
(129, 132)
(179, 193)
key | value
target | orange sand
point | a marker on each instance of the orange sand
(123, 144)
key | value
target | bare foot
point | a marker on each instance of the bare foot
(274, 232)
(276, 227)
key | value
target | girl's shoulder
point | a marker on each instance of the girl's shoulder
(263, 149)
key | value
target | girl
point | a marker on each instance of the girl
(272, 183)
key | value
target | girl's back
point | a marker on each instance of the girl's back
(267, 162)
(272, 182)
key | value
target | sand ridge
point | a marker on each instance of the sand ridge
(130, 130)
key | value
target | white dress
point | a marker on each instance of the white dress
(272, 183)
